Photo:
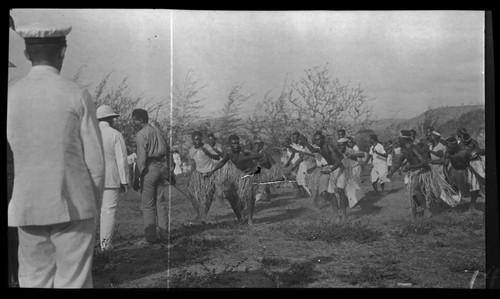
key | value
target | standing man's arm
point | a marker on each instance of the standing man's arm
(93, 150)
(141, 144)
(122, 163)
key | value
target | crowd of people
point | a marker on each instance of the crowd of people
(57, 202)
(435, 170)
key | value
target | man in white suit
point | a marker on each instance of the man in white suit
(59, 164)
(117, 174)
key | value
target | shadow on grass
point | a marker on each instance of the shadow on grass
(280, 273)
(367, 204)
(119, 266)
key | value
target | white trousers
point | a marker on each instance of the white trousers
(57, 256)
(110, 198)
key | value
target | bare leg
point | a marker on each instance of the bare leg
(421, 205)
(343, 203)
(250, 206)
(375, 186)
(473, 199)
(334, 203)
(382, 186)
(316, 200)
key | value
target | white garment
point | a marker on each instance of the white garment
(115, 155)
(379, 170)
(302, 170)
(54, 135)
(57, 256)
(177, 161)
(299, 148)
(478, 166)
(131, 159)
(203, 162)
(438, 167)
(110, 199)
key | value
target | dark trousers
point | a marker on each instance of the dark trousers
(154, 203)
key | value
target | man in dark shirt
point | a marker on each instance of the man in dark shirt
(154, 160)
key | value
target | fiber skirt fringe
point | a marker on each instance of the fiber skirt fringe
(432, 186)
(202, 191)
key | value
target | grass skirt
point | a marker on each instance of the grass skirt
(202, 191)
(432, 186)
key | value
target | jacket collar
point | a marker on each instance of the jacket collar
(44, 68)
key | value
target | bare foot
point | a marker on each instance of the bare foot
(427, 214)
(474, 211)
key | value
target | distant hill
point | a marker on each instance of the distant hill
(445, 119)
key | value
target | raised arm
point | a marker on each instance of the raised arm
(209, 154)
(219, 165)
(311, 148)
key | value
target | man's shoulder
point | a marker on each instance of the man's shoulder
(144, 132)
(115, 132)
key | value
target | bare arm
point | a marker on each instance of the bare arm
(440, 154)
(337, 162)
(400, 162)
(368, 159)
(311, 148)
(218, 166)
(422, 160)
(209, 154)
(291, 158)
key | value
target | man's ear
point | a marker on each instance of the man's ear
(27, 55)
(63, 51)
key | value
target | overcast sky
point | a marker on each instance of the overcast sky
(407, 60)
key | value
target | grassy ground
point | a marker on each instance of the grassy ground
(294, 245)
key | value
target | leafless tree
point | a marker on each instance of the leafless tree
(323, 103)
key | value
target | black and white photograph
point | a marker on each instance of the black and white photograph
(232, 149)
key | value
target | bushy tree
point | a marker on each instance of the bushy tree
(122, 101)
(185, 111)
(230, 121)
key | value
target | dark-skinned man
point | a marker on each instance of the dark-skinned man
(416, 166)
(337, 182)
(456, 167)
(201, 188)
(154, 160)
(242, 180)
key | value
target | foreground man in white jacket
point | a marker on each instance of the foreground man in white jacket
(59, 165)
